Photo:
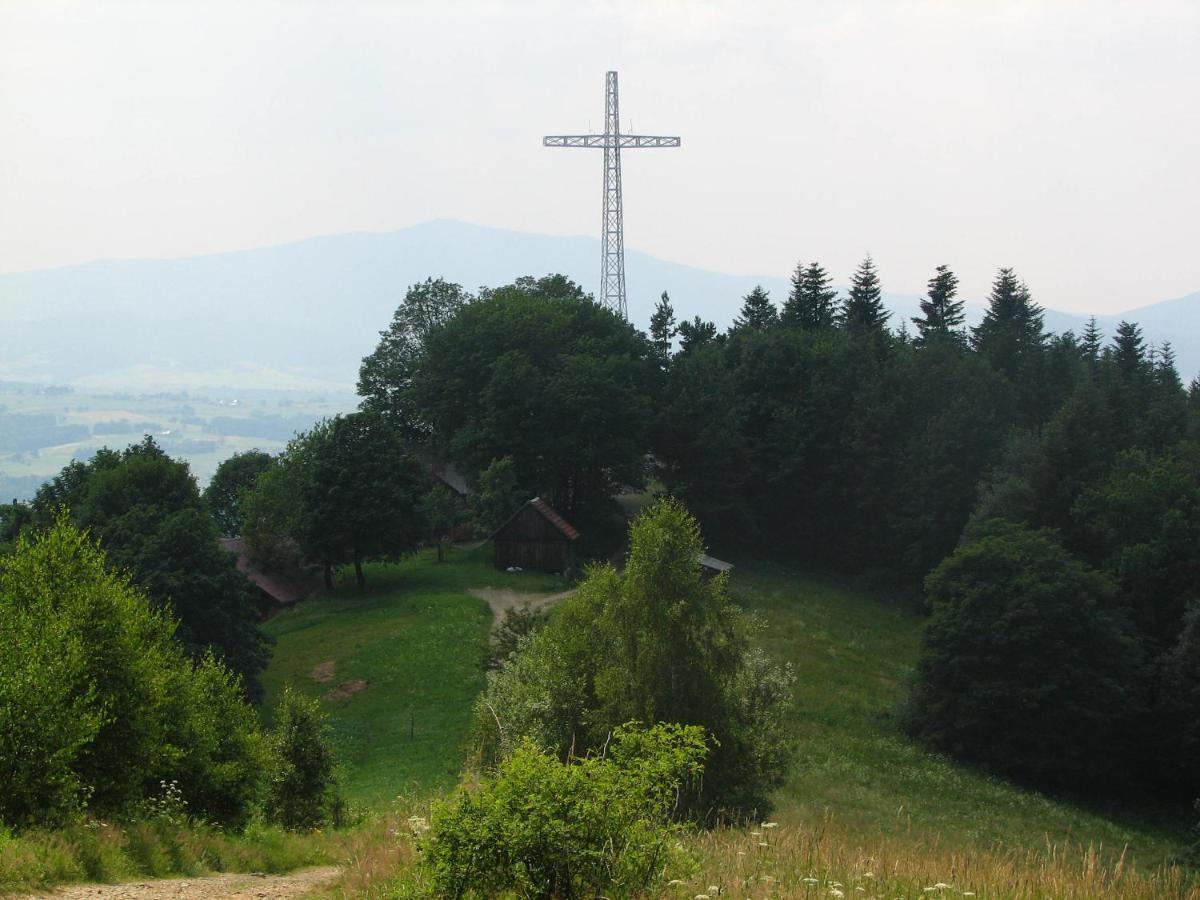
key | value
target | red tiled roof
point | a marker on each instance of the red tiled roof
(554, 518)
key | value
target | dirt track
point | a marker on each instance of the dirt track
(216, 887)
(500, 599)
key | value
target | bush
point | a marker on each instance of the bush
(303, 790)
(655, 643)
(595, 826)
(514, 631)
(1026, 666)
(98, 702)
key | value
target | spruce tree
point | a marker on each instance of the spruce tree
(863, 311)
(1166, 373)
(1128, 351)
(1093, 340)
(818, 307)
(792, 306)
(663, 328)
(758, 312)
(1012, 326)
(942, 315)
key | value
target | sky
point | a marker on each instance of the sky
(1059, 138)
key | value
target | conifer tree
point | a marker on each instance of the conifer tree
(1012, 326)
(942, 315)
(663, 328)
(758, 312)
(818, 307)
(1093, 340)
(790, 314)
(695, 333)
(863, 310)
(1166, 373)
(1128, 350)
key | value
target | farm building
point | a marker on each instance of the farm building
(535, 537)
(276, 590)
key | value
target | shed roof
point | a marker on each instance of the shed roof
(285, 588)
(544, 508)
(717, 565)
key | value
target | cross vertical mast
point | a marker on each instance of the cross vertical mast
(612, 226)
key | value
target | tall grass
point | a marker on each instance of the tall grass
(823, 860)
(828, 860)
(102, 852)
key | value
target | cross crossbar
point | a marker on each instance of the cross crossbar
(622, 141)
(612, 224)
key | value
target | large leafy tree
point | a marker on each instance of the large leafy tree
(235, 477)
(147, 513)
(359, 492)
(386, 374)
(1027, 666)
(539, 372)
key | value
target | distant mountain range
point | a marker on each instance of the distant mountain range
(302, 315)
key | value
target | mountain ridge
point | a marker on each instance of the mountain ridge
(305, 312)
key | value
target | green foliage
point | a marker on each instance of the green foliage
(386, 374)
(941, 314)
(303, 789)
(439, 510)
(1011, 329)
(863, 311)
(663, 329)
(655, 643)
(539, 372)
(695, 333)
(592, 826)
(812, 304)
(344, 492)
(757, 311)
(146, 512)
(99, 705)
(1026, 665)
(235, 477)
(497, 495)
(520, 623)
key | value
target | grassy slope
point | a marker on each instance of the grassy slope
(417, 638)
(853, 654)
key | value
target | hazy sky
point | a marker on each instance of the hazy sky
(1059, 138)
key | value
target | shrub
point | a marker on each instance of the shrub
(585, 827)
(98, 702)
(515, 629)
(655, 643)
(1026, 665)
(303, 789)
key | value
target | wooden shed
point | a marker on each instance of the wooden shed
(535, 537)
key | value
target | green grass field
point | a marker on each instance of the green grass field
(417, 638)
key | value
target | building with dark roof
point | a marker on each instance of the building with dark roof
(535, 537)
(276, 590)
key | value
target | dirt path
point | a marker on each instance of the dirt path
(216, 887)
(500, 599)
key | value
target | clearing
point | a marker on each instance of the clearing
(398, 666)
(417, 638)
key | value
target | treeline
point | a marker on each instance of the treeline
(814, 430)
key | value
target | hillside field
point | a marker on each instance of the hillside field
(416, 638)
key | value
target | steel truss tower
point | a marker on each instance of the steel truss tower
(612, 229)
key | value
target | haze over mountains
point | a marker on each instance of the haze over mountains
(302, 315)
